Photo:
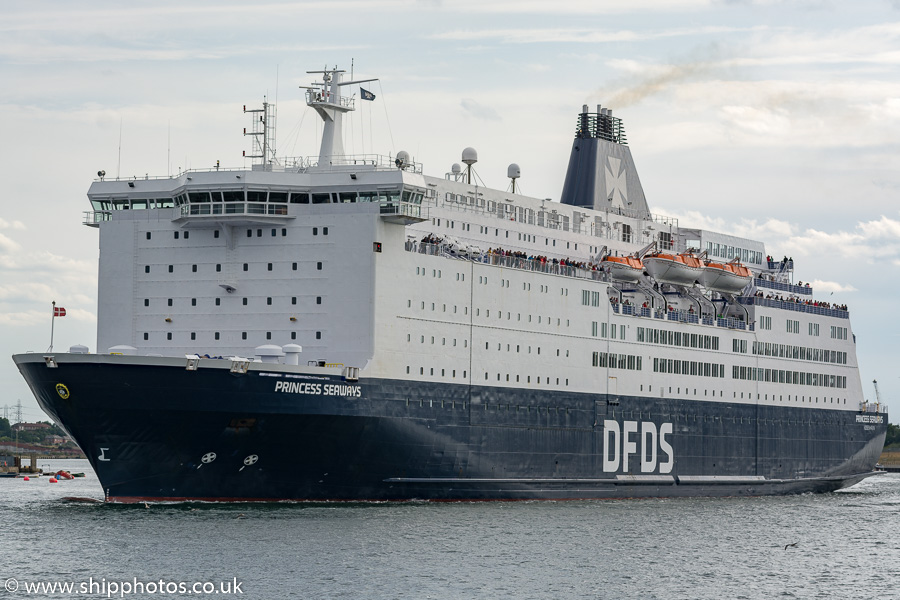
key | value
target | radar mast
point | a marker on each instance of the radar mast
(325, 97)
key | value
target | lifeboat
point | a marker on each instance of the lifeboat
(624, 268)
(731, 277)
(676, 269)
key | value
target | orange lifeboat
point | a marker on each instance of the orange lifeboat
(624, 268)
(677, 269)
(730, 277)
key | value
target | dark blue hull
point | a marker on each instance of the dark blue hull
(161, 432)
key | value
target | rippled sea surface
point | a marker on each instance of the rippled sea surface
(847, 546)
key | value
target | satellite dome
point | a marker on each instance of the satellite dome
(402, 159)
(456, 168)
(469, 156)
(513, 171)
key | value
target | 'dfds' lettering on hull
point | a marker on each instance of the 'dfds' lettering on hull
(641, 440)
(318, 389)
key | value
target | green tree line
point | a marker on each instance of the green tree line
(27, 437)
(893, 436)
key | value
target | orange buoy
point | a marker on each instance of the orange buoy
(53, 480)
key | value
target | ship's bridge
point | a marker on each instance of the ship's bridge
(218, 197)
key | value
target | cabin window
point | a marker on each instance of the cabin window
(299, 198)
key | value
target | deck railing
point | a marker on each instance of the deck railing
(783, 287)
(796, 307)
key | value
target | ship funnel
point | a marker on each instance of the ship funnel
(601, 173)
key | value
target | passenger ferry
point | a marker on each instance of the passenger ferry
(349, 328)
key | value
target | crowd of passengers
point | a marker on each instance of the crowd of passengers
(564, 262)
(815, 303)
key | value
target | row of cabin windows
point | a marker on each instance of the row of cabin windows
(259, 233)
(443, 374)
(216, 335)
(800, 352)
(666, 337)
(246, 267)
(530, 318)
(797, 398)
(517, 378)
(688, 367)
(607, 330)
(483, 280)
(789, 377)
(170, 301)
(616, 361)
(522, 237)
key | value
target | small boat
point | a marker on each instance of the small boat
(730, 277)
(624, 268)
(77, 474)
(9, 474)
(676, 269)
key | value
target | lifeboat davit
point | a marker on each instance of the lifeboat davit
(624, 268)
(731, 277)
(677, 269)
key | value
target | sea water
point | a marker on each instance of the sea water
(839, 545)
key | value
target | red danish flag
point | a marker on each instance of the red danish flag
(59, 311)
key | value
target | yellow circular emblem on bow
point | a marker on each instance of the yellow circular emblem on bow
(62, 390)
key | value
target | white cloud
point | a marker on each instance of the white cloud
(4, 224)
(7, 245)
(479, 111)
(830, 286)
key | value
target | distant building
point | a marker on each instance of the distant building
(30, 426)
(54, 440)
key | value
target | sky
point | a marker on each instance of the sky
(774, 120)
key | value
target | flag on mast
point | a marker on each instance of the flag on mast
(59, 311)
(366, 94)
